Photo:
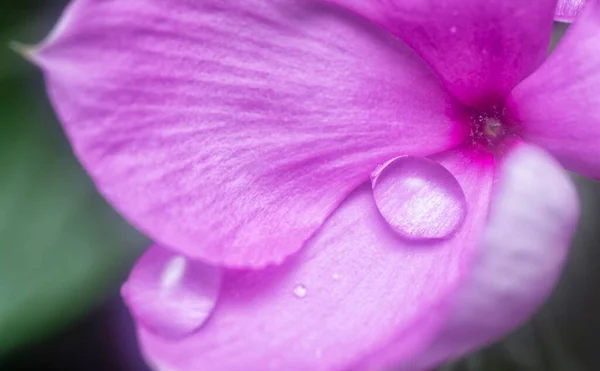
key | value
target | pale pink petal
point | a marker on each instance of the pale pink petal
(356, 287)
(471, 170)
(480, 48)
(567, 10)
(230, 130)
(169, 294)
(558, 106)
(419, 198)
(533, 217)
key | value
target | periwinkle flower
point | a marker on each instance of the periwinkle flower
(331, 185)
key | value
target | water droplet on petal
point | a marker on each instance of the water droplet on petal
(300, 291)
(453, 29)
(171, 295)
(336, 276)
(419, 198)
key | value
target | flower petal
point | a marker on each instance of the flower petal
(355, 287)
(533, 217)
(567, 10)
(480, 48)
(171, 295)
(231, 129)
(559, 105)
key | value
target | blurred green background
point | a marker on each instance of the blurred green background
(64, 251)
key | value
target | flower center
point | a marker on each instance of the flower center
(490, 129)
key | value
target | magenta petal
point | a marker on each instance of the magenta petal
(355, 287)
(230, 130)
(567, 10)
(419, 197)
(480, 48)
(474, 172)
(533, 217)
(170, 295)
(559, 105)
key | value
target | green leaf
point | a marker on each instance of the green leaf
(61, 245)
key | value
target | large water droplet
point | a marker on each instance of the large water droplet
(419, 198)
(169, 294)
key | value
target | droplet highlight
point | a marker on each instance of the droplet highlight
(419, 198)
(300, 291)
(173, 272)
(171, 295)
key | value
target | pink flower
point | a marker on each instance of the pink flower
(331, 185)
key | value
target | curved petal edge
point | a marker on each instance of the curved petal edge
(356, 287)
(533, 218)
(230, 130)
(480, 49)
(558, 106)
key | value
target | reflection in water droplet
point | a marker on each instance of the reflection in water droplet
(170, 295)
(300, 291)
(173, 272)
(419, 198)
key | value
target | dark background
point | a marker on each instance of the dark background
(63, 251)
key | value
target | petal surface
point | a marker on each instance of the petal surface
(567, 10)
(480, 49)
(533, 217)
(231, 129)
(355, 287)
(558, 106)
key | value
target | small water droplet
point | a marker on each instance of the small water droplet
(300, 291)
(419, 198)
(336, 276)
(453, 29)
(169, 294)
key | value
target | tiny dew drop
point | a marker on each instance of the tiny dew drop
(300, 291)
